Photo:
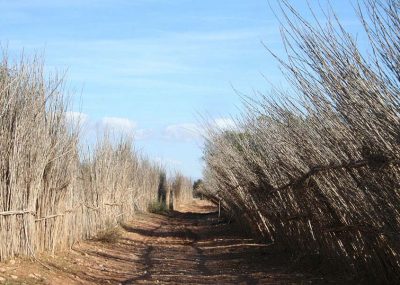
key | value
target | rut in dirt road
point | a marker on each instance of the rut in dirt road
(195, 247)
(190, 246)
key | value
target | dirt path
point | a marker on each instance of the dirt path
(187, 247)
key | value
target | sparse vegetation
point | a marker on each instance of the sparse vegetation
(318, 173)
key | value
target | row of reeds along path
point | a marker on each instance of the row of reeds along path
(50, 194)
(320, 173)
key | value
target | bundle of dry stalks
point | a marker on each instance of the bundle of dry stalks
(320, 175)
(37, 157)
(49, 196)
(117, 182)
(181, 189)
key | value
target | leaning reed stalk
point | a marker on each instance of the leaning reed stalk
(320, 174)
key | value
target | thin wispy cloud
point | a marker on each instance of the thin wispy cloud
(225, 124)
(51, 4)
(168, 161)
(143, 134)
(141, 65)
(118, 124)
(76, 118)
(223, 35)
(182, 132)
(193, 132)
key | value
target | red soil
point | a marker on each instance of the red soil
(187, 247)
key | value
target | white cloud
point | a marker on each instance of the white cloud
(167, 161)
(192, 132)
(156, 66)
(222, 35)
(119, 124)
(142, 134)
(225, 124)
(76, 118)
(184, 132)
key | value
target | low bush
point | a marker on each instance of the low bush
(110, 234)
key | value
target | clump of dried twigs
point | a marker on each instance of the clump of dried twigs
(320, 173)
(111, 233)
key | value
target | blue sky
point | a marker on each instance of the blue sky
(152, 66)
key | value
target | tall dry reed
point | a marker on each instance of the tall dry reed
(50, 196)
(319, 172)
(181, 190)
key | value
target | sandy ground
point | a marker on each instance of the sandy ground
(189, 246)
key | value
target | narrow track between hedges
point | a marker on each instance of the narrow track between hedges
(189, 246)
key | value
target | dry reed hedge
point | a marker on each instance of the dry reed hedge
(37, 153)
(320, 173)
(181, 188)
(50, 196)
(173, 192)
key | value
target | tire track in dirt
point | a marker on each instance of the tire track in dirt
(192, 246)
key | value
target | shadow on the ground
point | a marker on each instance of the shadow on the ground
(186, 248)
(187, 216)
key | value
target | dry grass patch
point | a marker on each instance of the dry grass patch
(110, 234)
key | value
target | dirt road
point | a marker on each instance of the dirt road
(187, 247)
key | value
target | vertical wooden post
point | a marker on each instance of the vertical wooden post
(219, 209)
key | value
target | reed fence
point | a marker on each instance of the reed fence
(52, 195)
(318, 171)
